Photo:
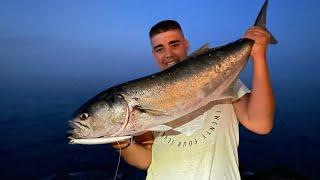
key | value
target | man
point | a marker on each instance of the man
(211, 151)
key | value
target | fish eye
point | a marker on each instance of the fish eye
(84, 116)
(119, 96)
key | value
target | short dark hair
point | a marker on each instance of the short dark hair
(164, 26)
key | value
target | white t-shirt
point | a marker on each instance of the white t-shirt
(208, 152)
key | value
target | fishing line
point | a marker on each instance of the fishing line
(116, 174)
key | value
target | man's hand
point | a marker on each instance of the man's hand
(261, 41)
(136, 151)
(121, 145)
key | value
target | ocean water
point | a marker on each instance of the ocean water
(34, 124)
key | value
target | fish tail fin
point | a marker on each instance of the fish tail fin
(262, 19)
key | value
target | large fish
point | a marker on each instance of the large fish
(150, 102)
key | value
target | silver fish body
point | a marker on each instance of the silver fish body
(143, 104)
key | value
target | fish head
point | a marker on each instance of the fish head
(101, 116)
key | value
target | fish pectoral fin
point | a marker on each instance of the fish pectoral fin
(227, 94)
(151, 111)
(203, 49)
(160, 128)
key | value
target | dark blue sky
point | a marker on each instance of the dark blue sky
(110, 38)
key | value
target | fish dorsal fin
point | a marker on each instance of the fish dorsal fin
(151, 111)
(203, 49)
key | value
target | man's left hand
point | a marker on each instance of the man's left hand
(261, 41)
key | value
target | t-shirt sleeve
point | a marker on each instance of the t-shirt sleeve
(240, 89)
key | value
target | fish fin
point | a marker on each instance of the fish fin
(227, 94)
(203, 49)
(154, 112)
(261, 21)
(160, 128)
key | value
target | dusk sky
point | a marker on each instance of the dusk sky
(109, 39)
(57, 54)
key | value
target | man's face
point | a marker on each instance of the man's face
(168, 48)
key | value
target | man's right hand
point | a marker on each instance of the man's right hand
(138, 153)
(122, 145)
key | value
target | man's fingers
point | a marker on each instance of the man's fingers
(258, 35)
(259, 31)
(257, 28)
(121, 144)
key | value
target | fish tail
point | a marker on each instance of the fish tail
(262, 19)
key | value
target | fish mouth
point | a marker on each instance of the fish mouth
(79, 130)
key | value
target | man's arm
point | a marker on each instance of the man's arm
(255, 111)
(137, 154)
